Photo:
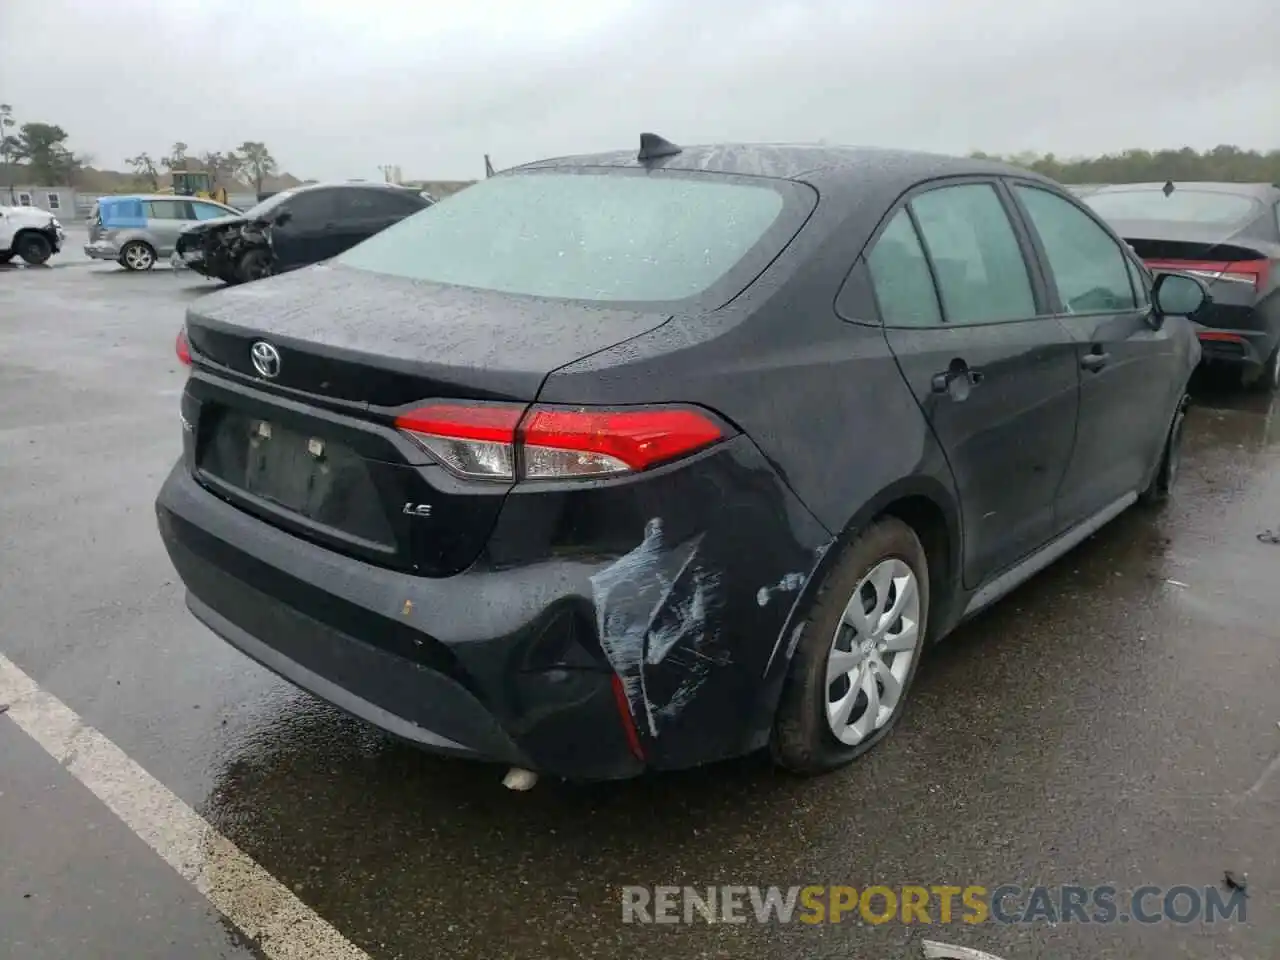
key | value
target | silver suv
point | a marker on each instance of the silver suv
(137, 230)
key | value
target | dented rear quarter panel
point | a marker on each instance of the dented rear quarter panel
(677, 563)
(839, 438)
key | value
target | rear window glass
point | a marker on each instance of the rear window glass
(581, 236)
(1185, 206)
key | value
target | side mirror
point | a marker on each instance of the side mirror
(1178, 295)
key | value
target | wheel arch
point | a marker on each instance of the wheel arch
(930, 508)
(23, 232)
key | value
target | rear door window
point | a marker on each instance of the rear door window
(311, 209)
(1089, 268)
(366, 205)
(982, 275)
(377, 204)
(595, 236)
(900, 276)
(169, 210)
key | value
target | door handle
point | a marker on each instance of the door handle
(956, 380)
(1095, 361)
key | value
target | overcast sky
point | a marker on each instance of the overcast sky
(337, 87)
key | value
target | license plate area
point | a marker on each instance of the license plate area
(304, 473)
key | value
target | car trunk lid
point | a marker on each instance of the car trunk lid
(1234, 267)
(313, 448)
(359, 337)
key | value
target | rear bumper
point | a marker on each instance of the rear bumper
(378, 644)
(504, 662)
(1245, 348)
(396, 707)
(102, 250)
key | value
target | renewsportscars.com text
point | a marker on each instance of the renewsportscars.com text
(936, 904)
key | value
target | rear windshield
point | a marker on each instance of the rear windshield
(596, 236)
(1181, 206)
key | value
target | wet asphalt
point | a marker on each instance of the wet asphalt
(1113, 721)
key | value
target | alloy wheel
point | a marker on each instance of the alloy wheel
(872, 651)
(138, 257)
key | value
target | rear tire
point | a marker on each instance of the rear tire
(137, 255)
(33, 248)
(1269, 379)
(860, 619)
(1166, 477)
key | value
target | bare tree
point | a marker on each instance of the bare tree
(177, 158)
(143, 166)
(223, 167)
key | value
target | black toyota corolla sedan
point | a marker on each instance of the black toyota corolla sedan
(636, 461)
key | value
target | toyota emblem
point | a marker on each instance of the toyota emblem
(266, 359)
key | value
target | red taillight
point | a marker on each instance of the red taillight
(583, 443)
(183, 348)
(1253, 272)
(501, 441)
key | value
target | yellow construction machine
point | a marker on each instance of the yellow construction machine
(197, 183)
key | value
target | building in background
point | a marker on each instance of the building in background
(60, 201)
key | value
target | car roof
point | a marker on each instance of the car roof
(109, 198)
(136, 196)
(1257, 191)
(817, 164)
(356, 184)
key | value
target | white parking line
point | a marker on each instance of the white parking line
(263, 908)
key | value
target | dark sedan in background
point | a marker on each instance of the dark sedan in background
(293, 229)
(1228, 234)
(637, 461)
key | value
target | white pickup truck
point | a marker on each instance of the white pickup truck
(30, 233)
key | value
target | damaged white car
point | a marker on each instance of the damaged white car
(29, 233)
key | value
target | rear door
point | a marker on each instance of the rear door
(362, 212)
(165, 220)
(309, 235)
(1130, 373)
(994, 374)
